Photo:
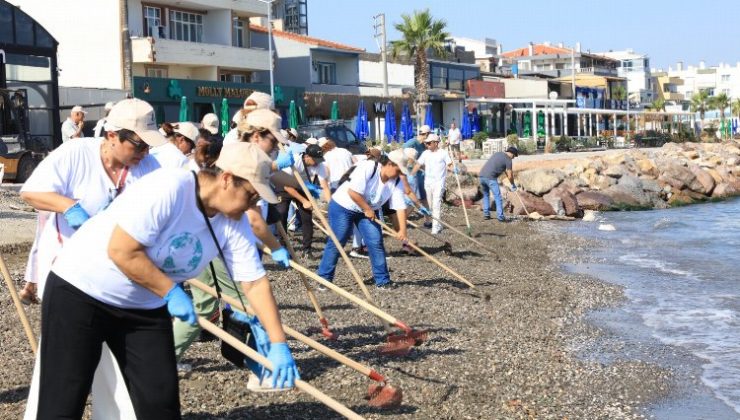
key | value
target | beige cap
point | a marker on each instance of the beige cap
(425, 129)
(77, 108)
(312, 140)
(188, 130)
(430, 138)
(138, 116)
(293, 132)
(410, 153)
(322, 141)
(399, 158)
(264, 118)
(210, 122)
(259, 100)
(108, 106)
(248, 161)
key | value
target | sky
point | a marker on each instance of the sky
(666, 30)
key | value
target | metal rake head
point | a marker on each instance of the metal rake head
(384, 396)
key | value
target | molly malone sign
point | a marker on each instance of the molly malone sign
(223, 92)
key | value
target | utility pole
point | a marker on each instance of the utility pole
(269, 44)
(380, 38)
(126, 55)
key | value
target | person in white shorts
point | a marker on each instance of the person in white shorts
(436, 162)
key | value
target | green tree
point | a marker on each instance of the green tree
(420, 33)
(700, 104)
(619, 93)
(720, 102)
(736, 107)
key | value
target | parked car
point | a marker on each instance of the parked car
(338, 132)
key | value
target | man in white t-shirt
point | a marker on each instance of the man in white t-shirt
(435, 161)
(72, 127)
(337, 159)
(453, 138)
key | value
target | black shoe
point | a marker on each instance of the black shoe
(428, 225)
(387, 286)
(206, 337)
(369, 281)
(486, 217)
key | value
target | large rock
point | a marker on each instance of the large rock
(602, 182)
(724, 190)
(690, 154)
(632, 182)
(681, 174)
(615, 171)
(679, 198)
(705, 181)
(539, 181)
(592, 200)
(562, 199)
(533, 204)
(647, 167)
(626, 197)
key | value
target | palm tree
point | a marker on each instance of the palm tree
(700, 104)
(619, 93)
(720, 102)
(736, 107)
(420, 33)
(658, 105)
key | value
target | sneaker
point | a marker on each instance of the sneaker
(487, 217)
(254, 384)
(501, 219)
(386, 286)
(369, 281)
(184, 368)
(292, 228)
(321, 288)
(358, 253)
(428, 225)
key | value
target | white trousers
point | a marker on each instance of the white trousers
(110, 398)
(434, 198)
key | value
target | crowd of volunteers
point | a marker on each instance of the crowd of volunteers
(126, 217)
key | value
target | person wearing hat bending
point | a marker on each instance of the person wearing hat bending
(118, 280)
(73, 125)
(436, 162)
(173, 154)
(98, 130)
(357, 202)
(74, 183)
(499, 163)
(256, 100)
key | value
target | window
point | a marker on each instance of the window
(153, 22)
(234, 77)
(185, 26)
(237, 33)
(559, 66)
(439, 77)
(455, 79)
(689, 93)
(725, 77)
(160, 72)
(327, 73)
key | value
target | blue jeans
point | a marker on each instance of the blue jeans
(341, 221)
(487, 185)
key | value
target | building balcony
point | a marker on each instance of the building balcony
(147, 50)
(598, 71)
(252, 8)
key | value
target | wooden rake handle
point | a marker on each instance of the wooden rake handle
(461, 233)
(18, 306)
(462, 197)
(302, 385)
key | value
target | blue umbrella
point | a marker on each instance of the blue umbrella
(407, 124)
(465, 127)
(475, 121)
(361, 127)
(429, 119)
(391, 133)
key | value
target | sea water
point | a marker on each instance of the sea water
(681, 272)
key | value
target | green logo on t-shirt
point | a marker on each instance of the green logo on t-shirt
(181, 254)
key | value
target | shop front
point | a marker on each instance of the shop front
(204, 96)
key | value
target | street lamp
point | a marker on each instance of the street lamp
(269, 41)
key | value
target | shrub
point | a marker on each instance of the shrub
(563, 144)
(479, 138)
(512, 140)
(527, 146)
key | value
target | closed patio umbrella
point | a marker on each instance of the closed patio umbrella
(391, 133)
(224, 116)
(429, 118)
(362, 129)
(407, 124)
(465, 128)
(292, 115)
(184, 109)
(335, 110)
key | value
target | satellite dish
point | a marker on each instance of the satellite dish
(553, 95)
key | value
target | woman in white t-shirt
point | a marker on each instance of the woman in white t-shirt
(337, 160)
(436, 162)
(356, 203)
(117, 281)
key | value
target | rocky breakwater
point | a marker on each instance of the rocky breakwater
(676, 174)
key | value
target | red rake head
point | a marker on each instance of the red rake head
(413, 337)
(384, 396)
(395, 348)
(325, 331)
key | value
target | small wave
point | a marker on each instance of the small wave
(668, 223)
(665, 267)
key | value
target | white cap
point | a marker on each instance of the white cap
(322, 141)
(425, 129)
(77, 108)
(259, 100)
(248, 161)
(266, 119)
(210, 122)
(187, 129)
(399, 158)
(138, 116)
(293, 132)
(108, 106)
(312, 140)
(430, 138)
(410, 153)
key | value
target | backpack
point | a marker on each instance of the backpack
(348, 173)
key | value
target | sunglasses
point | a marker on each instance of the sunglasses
(139, 146)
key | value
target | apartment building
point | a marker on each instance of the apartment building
(635, 67)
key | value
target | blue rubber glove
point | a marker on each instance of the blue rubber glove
(455, 171)
(180, 306)
(281, 256)
(76, 216)
(513, 187)
(408, 202)
(284, 160)
(314, 189)
(284, 370)
(425, 211)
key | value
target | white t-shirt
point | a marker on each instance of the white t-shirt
(169, 156)
(338, 161)
(454, 136)
(161, 213)
(99, 127)
(315, 171)
(435, 165)
(69, 128)
(75, 170)
(376, 193)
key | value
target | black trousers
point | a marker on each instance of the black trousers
(305, 215)
(74, 327)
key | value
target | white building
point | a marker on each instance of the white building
(194, 39)
(635, 68)
(723, 78)
(486, 51)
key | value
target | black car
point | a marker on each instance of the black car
(339, 133)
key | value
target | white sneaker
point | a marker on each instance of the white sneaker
(254, 384)
(291, 228)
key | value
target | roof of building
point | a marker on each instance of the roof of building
(543, 49)
(306, 39)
